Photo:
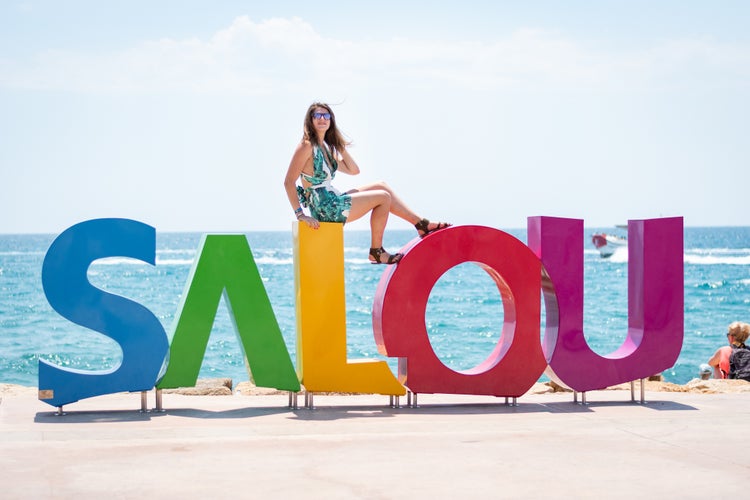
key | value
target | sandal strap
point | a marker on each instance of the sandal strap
(392, 258)
(423, 225)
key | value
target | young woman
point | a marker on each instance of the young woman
(722, 360)
(321, 153)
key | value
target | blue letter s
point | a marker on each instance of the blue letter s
(140, 334)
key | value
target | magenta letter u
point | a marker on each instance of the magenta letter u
(655, 302)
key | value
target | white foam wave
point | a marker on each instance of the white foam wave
(274, 261)
(118, 261)
(708, 260)
(695, 260)
(700, 256)
(172, 251)
(127, 261)
(720, 251)
(174, 262)
(357, 261)
(620, 255)
(290, 261)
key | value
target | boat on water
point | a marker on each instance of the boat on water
(607, 244)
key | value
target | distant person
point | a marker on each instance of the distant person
(320, 154)
(733, 360)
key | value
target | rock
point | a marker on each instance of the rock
(717, 386)
(557, 387)
(250, 389)
(223, 387)
(710, 386)
(205, 387)
(11, 390)
(542, 388)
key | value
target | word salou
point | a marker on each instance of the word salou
(224, 266)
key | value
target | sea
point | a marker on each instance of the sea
(464, 315)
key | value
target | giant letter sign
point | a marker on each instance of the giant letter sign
(321, 318)
(225, 265)
(517, 361)
(137, 331)
(552, 263)
(655, 302)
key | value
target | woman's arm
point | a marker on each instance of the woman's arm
(720, 361)
(300, 157)
(714, 360)
(347, 163)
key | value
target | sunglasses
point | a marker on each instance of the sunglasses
(325, 116)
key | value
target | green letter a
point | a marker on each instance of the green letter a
(225, 264)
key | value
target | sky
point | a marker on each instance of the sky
(184, 114)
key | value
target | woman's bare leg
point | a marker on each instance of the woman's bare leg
(397, 207)
(378, 202)
(380, 199)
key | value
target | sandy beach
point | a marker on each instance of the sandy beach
(677, 445)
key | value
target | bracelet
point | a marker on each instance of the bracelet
(299, 213)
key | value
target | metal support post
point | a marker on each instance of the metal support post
(583, 397)
(411, 399)
(159, 407)
(643, 391)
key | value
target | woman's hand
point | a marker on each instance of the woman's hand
(347, 163)
(313, 223)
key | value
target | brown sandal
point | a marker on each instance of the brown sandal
(377, 252)
(423, 227)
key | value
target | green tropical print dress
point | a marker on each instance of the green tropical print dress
(325, 202)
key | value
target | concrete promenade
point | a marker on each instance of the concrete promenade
(678, 445)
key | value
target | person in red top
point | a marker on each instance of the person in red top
(737, 334)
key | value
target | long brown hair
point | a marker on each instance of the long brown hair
(333, 137)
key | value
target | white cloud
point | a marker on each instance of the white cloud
(286, 54)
